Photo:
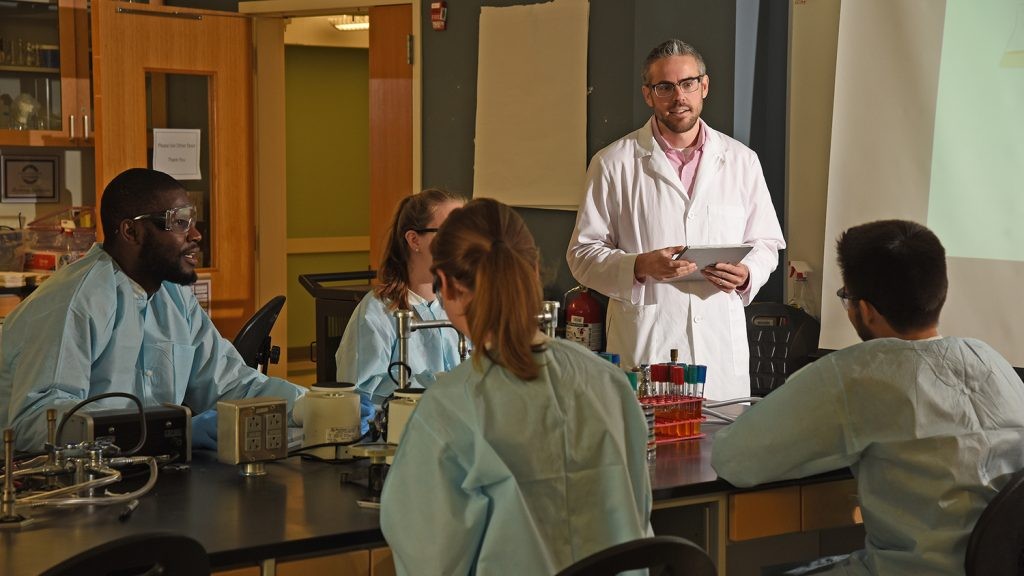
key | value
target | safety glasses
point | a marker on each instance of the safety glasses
(175, 220)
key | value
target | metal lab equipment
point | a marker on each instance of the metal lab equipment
(401, 405)
(405, 325)
(67, 475)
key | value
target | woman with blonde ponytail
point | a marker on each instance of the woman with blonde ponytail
(370, 342)
(531, 456)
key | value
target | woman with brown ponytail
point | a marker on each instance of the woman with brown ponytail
(370, 342)
(531, 456)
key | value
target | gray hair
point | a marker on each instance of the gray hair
(668, 48)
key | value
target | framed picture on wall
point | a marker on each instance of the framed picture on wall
(31, 178)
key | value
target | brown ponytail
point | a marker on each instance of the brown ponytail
(487, 248)
(414, 212)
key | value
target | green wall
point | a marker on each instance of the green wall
(328, 171)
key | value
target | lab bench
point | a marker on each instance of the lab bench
(301, 518)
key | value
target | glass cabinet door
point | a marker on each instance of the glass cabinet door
(39, 80)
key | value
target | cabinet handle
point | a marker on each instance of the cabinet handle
(71, 124)
(85, 126)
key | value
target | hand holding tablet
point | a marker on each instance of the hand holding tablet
(704, 256)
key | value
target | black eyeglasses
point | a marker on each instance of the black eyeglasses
(424, 230)
(668, 89)
(845, 298)
(175, 220)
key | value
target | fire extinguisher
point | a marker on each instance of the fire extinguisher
(584, 318)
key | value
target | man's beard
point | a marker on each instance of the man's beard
(159, 262)
(861, 327)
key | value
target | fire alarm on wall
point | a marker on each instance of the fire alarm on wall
(439, 15)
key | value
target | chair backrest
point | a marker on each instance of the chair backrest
(996, 546)
(781, 340)
(253, 340)
(137, 555)
(673, 555)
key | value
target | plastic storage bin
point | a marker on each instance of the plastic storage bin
(60, 238)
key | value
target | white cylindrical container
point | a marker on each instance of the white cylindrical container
(331, 414)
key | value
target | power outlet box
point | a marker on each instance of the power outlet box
(252, 430)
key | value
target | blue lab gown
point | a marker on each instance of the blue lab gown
(495, 475)
(90, 329)
(370, 345)
(931, 429)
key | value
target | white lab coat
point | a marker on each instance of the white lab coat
(636, 203)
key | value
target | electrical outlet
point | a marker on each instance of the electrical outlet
(252, 443)
(274, 422)
(253, 424)
(273, 440)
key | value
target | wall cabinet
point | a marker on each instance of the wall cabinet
(45, 94)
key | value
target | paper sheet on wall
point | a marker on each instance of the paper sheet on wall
(176, 152)
(531, 113)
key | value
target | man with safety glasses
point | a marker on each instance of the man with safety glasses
(931, 426)
(123, 319)
(676, 182)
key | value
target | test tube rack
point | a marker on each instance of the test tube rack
(677, 417)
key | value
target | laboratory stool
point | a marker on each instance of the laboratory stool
(996, 546)
(672, 554)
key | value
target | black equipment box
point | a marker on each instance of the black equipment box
(168, 430)
(334, 307)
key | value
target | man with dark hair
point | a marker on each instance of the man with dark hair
(676, 182)
(931, 426)
(122, 319)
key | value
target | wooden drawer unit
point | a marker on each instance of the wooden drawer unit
(764, 513)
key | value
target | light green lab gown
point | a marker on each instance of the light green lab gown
(931, 429)
(90, 329)
(496, 475)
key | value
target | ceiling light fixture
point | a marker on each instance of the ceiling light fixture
(349, 22)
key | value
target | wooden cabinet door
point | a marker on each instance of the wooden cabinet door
(43, 55)
(131, 41)
(390, 119)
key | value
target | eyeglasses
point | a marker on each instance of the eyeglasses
(424, 230)
(176, 219)
(668, 89)
(845, 298)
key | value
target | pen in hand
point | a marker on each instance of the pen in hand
(127, 512)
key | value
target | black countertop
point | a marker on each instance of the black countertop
(299, 507)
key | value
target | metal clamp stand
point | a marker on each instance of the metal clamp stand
(87, 463)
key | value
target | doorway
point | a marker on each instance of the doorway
(361, 186)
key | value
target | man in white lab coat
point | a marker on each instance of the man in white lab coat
(676, 182)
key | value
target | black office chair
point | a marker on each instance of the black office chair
(253, 340)
(144, 554)
(673, 555)
(781, 339)
(996, 546)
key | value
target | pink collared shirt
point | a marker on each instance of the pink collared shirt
(685, 160)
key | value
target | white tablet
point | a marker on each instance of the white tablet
(704, 256)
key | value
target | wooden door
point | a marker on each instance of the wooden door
(390, 118)
(131, 40)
